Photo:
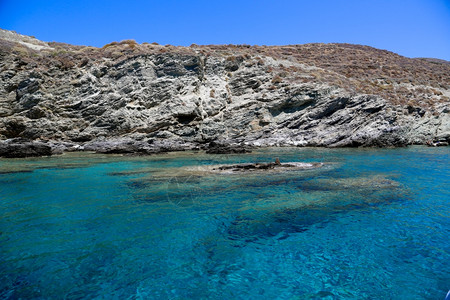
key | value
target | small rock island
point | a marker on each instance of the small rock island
(271, 166)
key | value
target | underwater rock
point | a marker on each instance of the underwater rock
(352, 184)
(344, 195)
(357, 194)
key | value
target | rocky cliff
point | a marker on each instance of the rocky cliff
(129, 97)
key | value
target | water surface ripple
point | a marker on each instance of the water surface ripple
(369, 224)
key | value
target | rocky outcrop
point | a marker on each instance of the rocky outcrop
(273, 166)
(155, 99)
(16, 148)
(130, 146)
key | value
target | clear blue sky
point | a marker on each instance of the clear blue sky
(413, 28)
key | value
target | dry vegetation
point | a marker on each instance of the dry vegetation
(362, 69)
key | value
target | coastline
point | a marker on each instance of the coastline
(147, 99)
(22, 148)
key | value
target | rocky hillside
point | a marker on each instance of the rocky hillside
(129, 97)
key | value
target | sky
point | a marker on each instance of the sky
(413, 28)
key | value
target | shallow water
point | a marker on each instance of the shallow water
(369, 224)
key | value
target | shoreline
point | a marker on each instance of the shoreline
(21, 148)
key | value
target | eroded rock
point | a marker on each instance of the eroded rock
(277, 166)
(18, 148)
(223, 103)
(216, 147)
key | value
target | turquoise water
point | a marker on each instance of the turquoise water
(369, 224)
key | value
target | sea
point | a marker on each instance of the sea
(365, 224)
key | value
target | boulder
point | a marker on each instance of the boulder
(17, 148)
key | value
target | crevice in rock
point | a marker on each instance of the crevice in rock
(290, 107)
(186, 119)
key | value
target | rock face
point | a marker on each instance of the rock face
(225, 147)
(149, 98)
(23, 148)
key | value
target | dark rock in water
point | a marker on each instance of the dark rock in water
(129, 173)
(250, 166)
(437, 143)
(216, 147)
(267, 166)
(15, 172)
(251, 228)
(252, 225)
(16, 148)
